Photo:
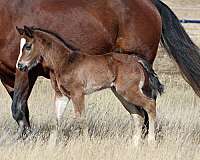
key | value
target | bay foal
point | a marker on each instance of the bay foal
(74, 75)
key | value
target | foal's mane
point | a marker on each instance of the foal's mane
(56, 35)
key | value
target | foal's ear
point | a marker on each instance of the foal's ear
(20, 30)
(28, 31)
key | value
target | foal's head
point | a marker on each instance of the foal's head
(36, 43)
(30, 55)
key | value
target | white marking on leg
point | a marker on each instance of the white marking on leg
(151, 135)
(21, 124)
(61, 103)
(138, 123)
(141, 84)
(21, 127)
(22, 43)
(112, 84)
(142, 80)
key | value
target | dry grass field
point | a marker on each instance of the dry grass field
(110, 128)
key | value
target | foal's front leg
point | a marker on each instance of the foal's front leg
(61, 103)
(78, 100)
(60, 100)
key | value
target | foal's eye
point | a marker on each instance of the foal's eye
(28, 47)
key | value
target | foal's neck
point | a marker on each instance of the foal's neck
(56, 54)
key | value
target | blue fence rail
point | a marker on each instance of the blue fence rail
(190, 21)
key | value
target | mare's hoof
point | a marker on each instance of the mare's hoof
(23, 133)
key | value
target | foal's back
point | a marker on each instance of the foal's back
(108, 64)
(103, 70)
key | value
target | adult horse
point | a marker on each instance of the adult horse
(100, 26)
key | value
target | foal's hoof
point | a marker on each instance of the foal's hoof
(137, 140)
(80, 126)
(152, 141)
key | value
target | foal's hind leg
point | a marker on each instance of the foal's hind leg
(138, 115)
(136, 96)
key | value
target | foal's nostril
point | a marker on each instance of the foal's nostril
(22, 67)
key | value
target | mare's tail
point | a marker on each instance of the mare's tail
(180, 46)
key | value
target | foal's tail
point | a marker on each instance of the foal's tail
(180, 46)
(154, 82)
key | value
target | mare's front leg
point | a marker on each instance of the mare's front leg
(23, 86)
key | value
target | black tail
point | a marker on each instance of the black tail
(180, 46)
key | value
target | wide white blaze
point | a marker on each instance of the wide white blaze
(22, 43)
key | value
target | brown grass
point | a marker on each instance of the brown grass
(111, 130)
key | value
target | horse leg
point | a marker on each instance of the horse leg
(135, 96)
(134, 109)
(60, 100)
(139, 117)
(61, 103)
(23, 86)
(78, 100)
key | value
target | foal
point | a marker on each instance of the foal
(75, 74)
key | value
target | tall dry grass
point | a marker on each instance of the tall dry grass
(111, 130)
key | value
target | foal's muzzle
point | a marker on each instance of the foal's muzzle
(22, 67)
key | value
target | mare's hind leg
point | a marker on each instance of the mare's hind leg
(135, 95)
(139, 116)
